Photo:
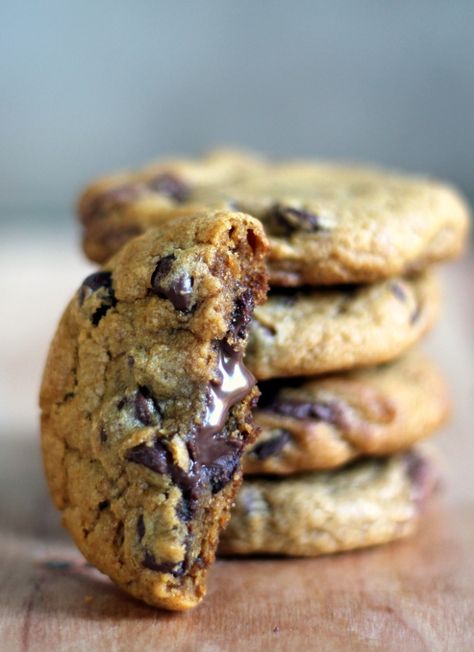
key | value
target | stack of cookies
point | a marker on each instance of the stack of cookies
(345, 398)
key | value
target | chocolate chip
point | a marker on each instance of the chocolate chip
(222, 471)
(110, 199)
(170, 185)
(184, 510)
(422, 475)
(146, 407)
(398, 291)
(415, 316)
(149, 561)
(93, 283)
(140, 527)
(179, 290)
(286, 219)
(241, 315)
(103, 505)
(162, 269)
(329, 411)
(154, 457)
(158, 458)
(272, 446)
(99, 281)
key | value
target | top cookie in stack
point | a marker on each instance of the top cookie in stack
(327, 224)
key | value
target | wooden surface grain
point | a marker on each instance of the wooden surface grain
(413, 595)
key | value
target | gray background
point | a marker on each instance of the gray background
(90, 86)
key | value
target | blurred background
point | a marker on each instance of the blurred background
(96, 85)
(92, 86)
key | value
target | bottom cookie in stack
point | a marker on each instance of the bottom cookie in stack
(293, 507)
(372, 501)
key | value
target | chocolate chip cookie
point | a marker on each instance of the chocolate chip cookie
(146, 404)
(327, 421)
(319, 331)
(327, 224)
(370, 502)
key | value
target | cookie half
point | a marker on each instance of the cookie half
(370, 502)
(146, 404)
(327, 224)
(325, 422)
(325, 330)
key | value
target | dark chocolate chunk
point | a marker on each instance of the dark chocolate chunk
(242, 315)
(179, 290)
(415, 316)
(330, 411)
(99, 281)
(423, 475)
(169, 185)
(162, 269)
(398, 291)
(272, 446)
(171, 567)
(103, 505)
(158, 458)
(154, 457)
(110, 199)
(286, 219)
(140, 527)
(94, 282)
(146, 407)
(222, 471)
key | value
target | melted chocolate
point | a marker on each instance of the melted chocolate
(234, 381)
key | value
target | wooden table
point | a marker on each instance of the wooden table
(413, 595)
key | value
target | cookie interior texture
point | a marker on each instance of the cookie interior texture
(315, 331)
(146, 404)
(327, 421)
(372, 501)
(326, 223)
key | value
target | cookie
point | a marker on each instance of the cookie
(372, 501)
(327, 224)
(146, 404)
(118, 207)
(327, 421)
(325, 330)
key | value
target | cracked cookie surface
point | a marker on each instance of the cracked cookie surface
(146, 404)
(325, 422)
(327, 224)
(315, 331)
(370, 502)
